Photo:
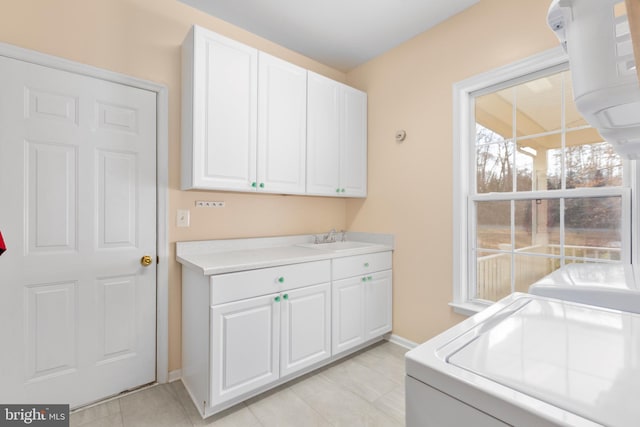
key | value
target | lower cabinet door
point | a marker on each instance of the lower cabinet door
(306, 327)
(348, 314)
(245, 345)
(378, 304)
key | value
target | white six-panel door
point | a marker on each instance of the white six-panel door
(77, 211)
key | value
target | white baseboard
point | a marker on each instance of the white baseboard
(403, 342)
(175, 375)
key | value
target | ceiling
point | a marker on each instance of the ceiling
(340, 33)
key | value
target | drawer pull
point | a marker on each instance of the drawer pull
(366, 264)
(364, 279)
(281, 279)
(369, 278)
(285, 296)
(277, 299)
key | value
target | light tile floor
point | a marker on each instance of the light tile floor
(366, 389)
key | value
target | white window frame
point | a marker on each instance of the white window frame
(464, 132)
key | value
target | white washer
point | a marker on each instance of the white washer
(529, 361)
(605, 285)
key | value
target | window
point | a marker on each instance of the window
(536, 187)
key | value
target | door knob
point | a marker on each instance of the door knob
(146, 261)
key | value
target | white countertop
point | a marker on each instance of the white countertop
(211, 257)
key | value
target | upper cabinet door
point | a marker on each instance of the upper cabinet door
(336, 138)
(323, 135)
(282, 126)
(220, 97)
(353, 138)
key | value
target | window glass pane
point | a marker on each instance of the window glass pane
(549, 224)
(592, 227)
(539, 162)
(538, 105)
(494, 166)
(493, 276)
(525, 158)
(495, 112)
(572, 117)
(529, 269)
(549, 170)
(591, 162)
(537, 226)
(494, 225)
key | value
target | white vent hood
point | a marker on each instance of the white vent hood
(596, 35)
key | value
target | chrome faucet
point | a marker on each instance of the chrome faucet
(330, 237)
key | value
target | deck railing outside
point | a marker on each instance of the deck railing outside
(493, 272)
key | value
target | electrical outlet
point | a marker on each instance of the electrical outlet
(182, 219)
(209, 204)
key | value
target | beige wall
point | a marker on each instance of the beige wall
(142, 38)
(410, 184)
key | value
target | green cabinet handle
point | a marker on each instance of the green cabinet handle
(364, 279)
(285, 296)
(366, 264)
(262, 185)
(277, 299)
(342, 191)
(369, 278)
(337, 190)
(281, 279)
(253, 184)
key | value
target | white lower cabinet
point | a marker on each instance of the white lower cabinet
(362, 302)
(244, 332)
(256, 341)
(305, 326)
(348, 314)
(361, 309)
(377, 304)
(245, 338)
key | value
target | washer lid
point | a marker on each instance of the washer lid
(583, 359)
(605, 285)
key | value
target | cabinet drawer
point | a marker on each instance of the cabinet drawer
(248, 284)
(361, 264)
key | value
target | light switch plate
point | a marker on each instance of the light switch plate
(182, 219)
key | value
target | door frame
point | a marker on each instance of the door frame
(162, 179)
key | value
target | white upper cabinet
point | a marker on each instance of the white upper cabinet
(353, 143)
(336, 138)
(282, 126)
(253, 122)
(323, 135)
(219, 112)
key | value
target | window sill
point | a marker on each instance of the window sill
(467, 308)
